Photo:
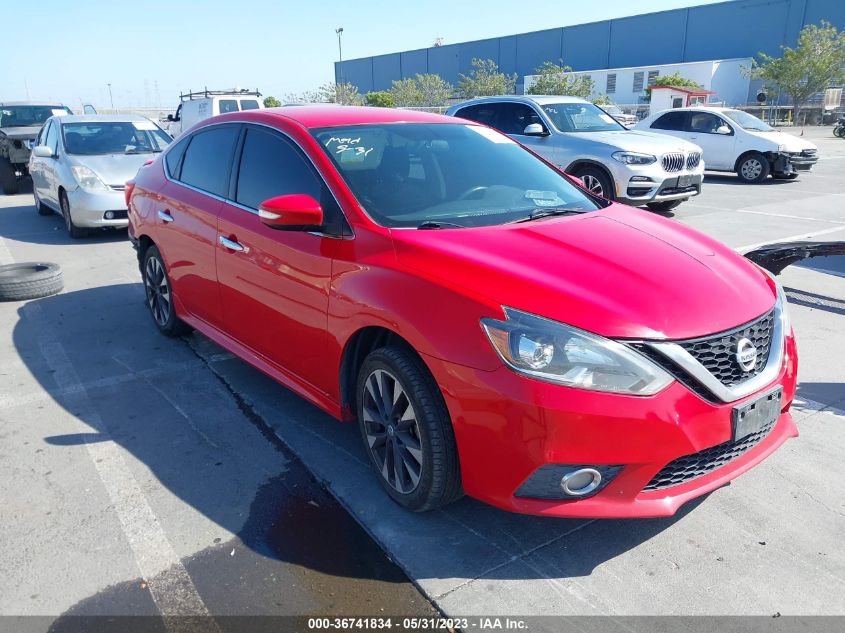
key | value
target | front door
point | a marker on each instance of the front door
(274, 284)
(715, 137)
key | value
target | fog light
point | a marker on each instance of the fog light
(640, 179)
(580, 482)
(109, 215)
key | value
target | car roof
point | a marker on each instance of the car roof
(538, 99)
(101, 118)
(316, 116)
(33, 103)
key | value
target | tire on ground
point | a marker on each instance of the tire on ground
(8, 179)
(599, 175)
(30, 280)
(745, 167)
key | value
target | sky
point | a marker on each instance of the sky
(150, 51)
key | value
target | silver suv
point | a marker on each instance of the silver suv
(637, 168)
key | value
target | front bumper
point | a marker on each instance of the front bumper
(640, 184)
(507, 426)
(89, 208)
(787, 163)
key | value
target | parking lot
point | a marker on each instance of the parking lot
(140, 474)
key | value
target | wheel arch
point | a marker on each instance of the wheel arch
(747, 153)
(587, 162)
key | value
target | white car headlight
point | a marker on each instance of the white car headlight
(86, 178)
(634, 158)
(559, 353)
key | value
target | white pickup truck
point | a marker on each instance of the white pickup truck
(196, 106)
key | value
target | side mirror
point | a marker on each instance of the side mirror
(294, 212)
(89, 109)
(42, 151)
(170, 117)
(723, 129)
(535, 129)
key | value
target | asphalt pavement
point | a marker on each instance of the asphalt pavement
(143, 475)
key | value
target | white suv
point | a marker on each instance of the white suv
(637, 168)
(733, 140)
(196, 106)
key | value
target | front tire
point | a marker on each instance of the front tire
(42, 208)
(8, 178)
(159, 295)
(666, 205)
(407, 431)
(753, 168)
(596, 181)
(74, 231)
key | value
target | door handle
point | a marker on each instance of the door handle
(165, 216)
(231, 244)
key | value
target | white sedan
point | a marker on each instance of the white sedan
(80, 165)
(733, 140)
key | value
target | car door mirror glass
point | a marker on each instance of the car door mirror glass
(293, 212)
(535, 129)
(42, 151)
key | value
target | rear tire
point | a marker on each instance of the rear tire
(596, 181)
(159, 295)
(839, 131)
(407, 431)
(8, 178)
(753, 168)
(74, 231)
(666, 205)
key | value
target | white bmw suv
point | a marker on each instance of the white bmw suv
(733, 140)
(637, 168)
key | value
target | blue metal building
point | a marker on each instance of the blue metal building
(738, 28)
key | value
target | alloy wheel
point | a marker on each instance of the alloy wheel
(751, 169)
(593, 184)
(158, 291)
(392, 431)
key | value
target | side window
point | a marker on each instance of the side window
(208, 158)
(272, 166)
(51, 139)
(484, 113)
(42, 133)
(173, 157)
(178, 115)
(249, 104)
(705, 122)
(228, 105)
(670, 121)
(515, 117)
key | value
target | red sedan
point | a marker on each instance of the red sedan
(492, 327)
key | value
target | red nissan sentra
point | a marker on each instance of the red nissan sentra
(492, 327)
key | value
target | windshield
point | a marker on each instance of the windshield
(27, 115)
(124, 137)
(747, 121)
(409, 174)
(580, 117)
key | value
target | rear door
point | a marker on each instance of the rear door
(186, 217)
(274, 284)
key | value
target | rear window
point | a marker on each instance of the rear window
(228, 105)
(249, 104)
(208, 159)
(174, 157)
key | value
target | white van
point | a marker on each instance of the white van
(196, 106)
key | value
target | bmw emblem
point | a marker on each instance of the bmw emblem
(746, 354)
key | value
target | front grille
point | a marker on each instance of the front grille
(693, 158)
(689, 467)
(718, 352)
(673, 162)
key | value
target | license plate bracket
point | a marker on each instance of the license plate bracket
(684, 181)
(756, 415)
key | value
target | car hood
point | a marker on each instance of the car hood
(21, 133)
(637, 141)
(619, 272)
(790, 142)
(113, 169)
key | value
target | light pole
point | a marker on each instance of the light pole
(339, 32)
(111, 99)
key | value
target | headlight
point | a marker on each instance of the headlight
(634, 158)
(558, 353)
(86, 178)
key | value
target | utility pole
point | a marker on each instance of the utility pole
(339, 32)
(111, 99)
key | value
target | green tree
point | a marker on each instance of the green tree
(381, 99)
(421, 91)
(603, 100)
(812, 66)
(271, 102)
(485, 80)
(675, 79)
(555, 79)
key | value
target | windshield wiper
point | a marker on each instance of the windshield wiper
(439, 225)
(546, 213)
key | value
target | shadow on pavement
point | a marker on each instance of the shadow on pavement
(828, 393)
(816, 301)
(187, 420)
(49, 229)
